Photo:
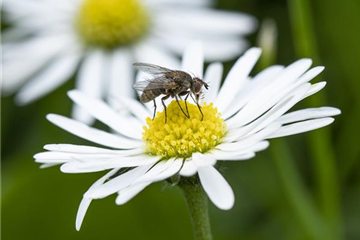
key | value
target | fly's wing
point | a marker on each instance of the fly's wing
(156, 83)
(151, 68)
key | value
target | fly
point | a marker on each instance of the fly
(171, 83)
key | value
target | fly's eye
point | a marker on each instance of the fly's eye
(197, 87)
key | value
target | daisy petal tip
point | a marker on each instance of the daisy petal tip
(306, 61)
(228, 205)
(64, 168)
(254, 51)
(331, 111)
(69, 167)
(227, 202)
(51, 116)
(320, 68)
(120, 201)
(330, 121)
(93, 194)
(72, 93)
(77, 226)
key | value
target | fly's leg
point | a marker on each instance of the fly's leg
(154, 109)
(187, 93)
(186, 103)
(163, 103)
(202, 115)
(177, 100)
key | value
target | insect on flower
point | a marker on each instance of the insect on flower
(171, 83)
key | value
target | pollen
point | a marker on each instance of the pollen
(112, 23)
(181, 136)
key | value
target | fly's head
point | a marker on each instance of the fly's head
(196, 87)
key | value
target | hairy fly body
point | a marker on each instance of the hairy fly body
(171, 83)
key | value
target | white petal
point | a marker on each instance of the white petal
(47, 165)
(213, 76)
(83, 207)
(250, 140)
(308, 113)
(223, 49)
(161, 171)
(90, 80)
(278, 110)
(92, 134)
(215, 48)
(71, 148)
(85, 203)
(154, 171)
(100, 164)
(52, 156)
(312, 73)
(260, 81)
(193, 59)
(315, 88)
(293, 72)
(241, 157)
(201, 160)
(121, 77)
(53, 76)
(135, 107)
(42, 44)
(236, 78)
(242, 154)
(39, 51)
(269, 116)
(188, 169)
(105, 157)
(150, 52)
(216, 187)
(101, 111)
(206, 21)
(301, 127)
(265, 98)
(175, 3)
(118, 183)
(128, 193)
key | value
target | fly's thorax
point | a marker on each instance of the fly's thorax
(180, 77)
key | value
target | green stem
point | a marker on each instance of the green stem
(320, 141)
(197, 203)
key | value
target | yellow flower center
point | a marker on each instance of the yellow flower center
(182, 136)
(112, 23)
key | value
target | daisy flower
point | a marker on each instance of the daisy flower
(49, 41)
(239, 118)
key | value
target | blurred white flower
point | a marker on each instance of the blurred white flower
(253, 109)
(49, 40)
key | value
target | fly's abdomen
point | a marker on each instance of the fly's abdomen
(149, 95)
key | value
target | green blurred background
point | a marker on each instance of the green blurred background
(304, 187)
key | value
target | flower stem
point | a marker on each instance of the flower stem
(197, 203)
